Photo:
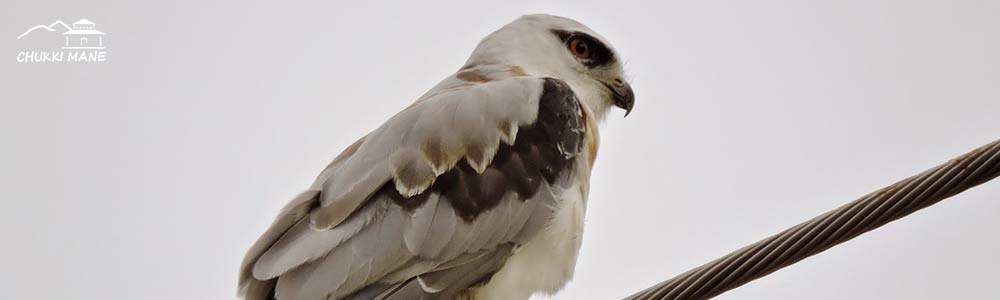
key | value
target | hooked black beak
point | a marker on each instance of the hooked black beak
(623, 95)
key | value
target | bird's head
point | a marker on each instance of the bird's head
(551, 46)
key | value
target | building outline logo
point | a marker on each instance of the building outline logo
(81, 42)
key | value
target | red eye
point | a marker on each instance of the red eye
(580, 48)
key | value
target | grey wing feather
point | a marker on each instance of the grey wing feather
(444, 284)
(432, 228)
(369, 254)
(252, 288)
(378, 254)
(448, 283)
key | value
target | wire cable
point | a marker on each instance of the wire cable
(830, 229)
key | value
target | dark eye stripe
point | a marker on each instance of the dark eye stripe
(601, 55)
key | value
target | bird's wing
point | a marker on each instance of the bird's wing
(430, 202)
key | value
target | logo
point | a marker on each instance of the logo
(81, 42)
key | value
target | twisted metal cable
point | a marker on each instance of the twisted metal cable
(832, 228)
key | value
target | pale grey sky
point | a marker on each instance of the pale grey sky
(149, 175)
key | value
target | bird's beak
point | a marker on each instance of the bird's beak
(623, 95)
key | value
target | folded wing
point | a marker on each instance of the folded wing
(428, 204)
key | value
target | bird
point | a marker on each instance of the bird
(476, 191)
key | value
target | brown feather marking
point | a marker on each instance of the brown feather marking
(517, 71)
(476, 154)
(506, 129)
(412, 173)
(434, 154)
(472, 76)
(592, 136)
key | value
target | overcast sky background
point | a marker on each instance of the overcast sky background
(148, 176)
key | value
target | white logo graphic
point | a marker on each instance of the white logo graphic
(80, 43)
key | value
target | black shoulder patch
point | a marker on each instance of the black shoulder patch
(542, 151)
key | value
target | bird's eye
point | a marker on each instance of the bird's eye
(579, 48)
